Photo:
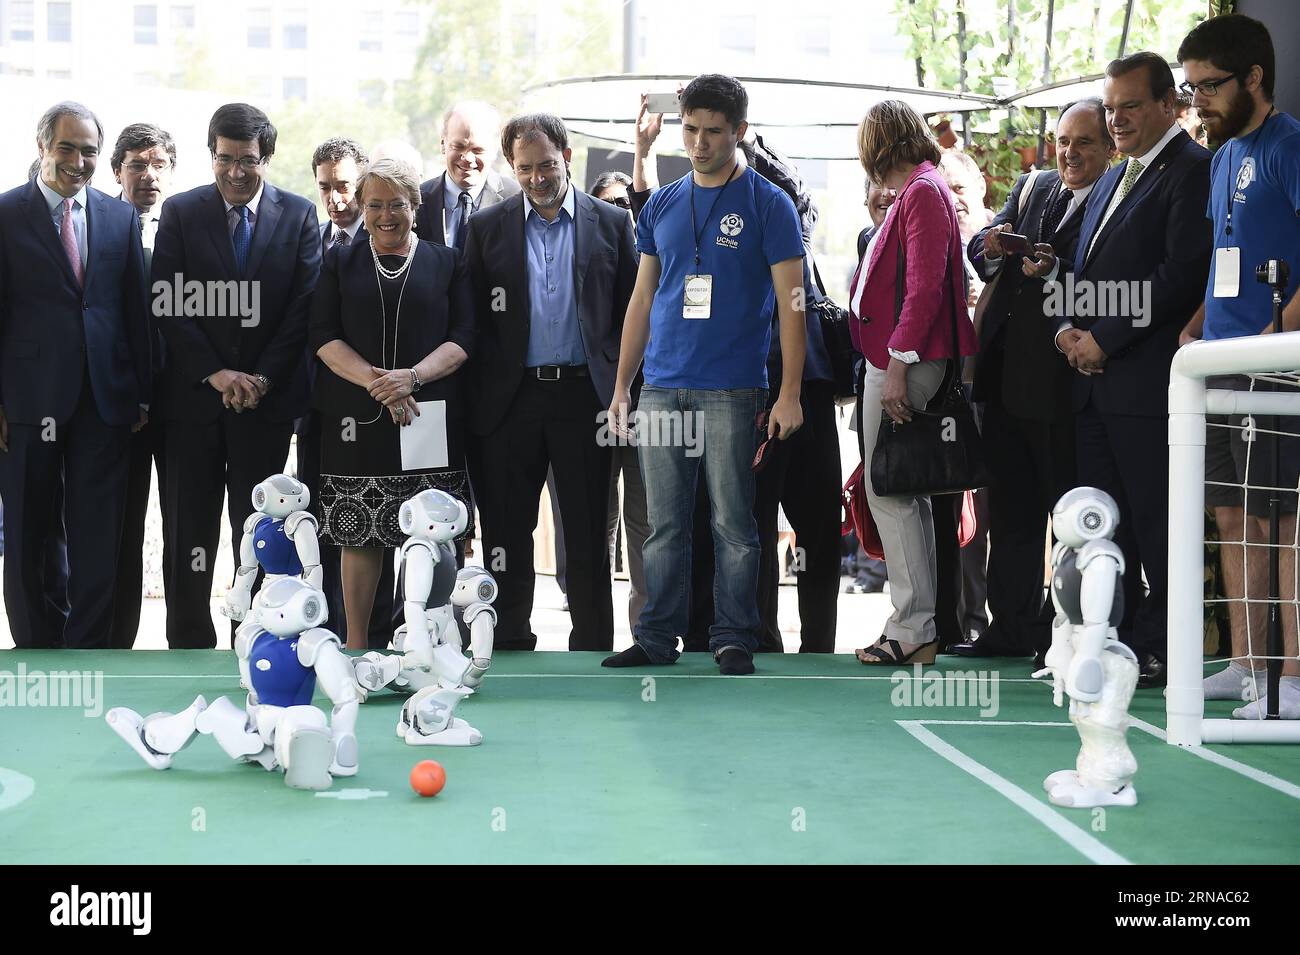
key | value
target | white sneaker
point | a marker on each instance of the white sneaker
(1288, 702)
(1234, 682)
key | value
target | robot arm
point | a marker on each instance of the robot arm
(240, 596)
(420, 558)
(243, 646)
(301, 527)
(1101, 564)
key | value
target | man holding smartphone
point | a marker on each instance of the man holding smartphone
(716, 247)
(1024, 381)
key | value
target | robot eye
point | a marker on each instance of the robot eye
(1091, 521)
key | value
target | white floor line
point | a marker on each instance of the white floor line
(566, 676)
(1079, 840)
(1250, 772)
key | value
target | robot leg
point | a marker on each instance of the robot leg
(159, 736)
(1106, 766)
(375, 670)
(338, 680)
(304, 748)
(235, 732)
(428, 719)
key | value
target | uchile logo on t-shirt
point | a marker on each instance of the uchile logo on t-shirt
(730, 226)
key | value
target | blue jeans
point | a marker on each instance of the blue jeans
(678, 429)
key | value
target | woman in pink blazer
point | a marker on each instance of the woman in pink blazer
(909, 355)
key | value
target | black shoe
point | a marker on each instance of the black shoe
(734, 661)
(1151, 672)
(987, 646)
(633, 656)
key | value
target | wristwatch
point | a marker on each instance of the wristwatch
(266, 382)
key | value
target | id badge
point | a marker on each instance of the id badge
(697, 297)
(1227, 272)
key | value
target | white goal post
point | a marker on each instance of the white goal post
(1189, 401)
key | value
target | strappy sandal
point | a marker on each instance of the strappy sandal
(889, 652)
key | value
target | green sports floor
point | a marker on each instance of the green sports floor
(810, 760)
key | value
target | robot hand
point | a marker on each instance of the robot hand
(1057, 659)
(237, 604)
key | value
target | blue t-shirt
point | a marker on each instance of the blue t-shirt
(1262, 175)
(753, 226)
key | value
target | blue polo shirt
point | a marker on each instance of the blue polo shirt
(1260, 173)
(750, 227)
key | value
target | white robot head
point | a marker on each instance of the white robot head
(473, 585)
(290, 605)
(280, 495)
(433, 515)
(1084, 514)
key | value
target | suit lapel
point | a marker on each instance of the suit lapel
(214, 214)
(437, 209)
(1098, 201)
(584, 228)
(38, 213)
(516, 250)
(1146, 182)
(94, 206)
(269, 211)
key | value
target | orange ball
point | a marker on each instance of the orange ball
(428, 777)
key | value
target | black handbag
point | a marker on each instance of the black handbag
(834, 324)
(940, 450)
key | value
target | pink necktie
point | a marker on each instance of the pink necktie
(68, 235)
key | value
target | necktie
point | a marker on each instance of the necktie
(1054, 215)
(68, 237)
(146, 240)
(1131, 172)
(462, 220)
(243, 238)
(340, 238)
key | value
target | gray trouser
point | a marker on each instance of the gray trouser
(906, 524)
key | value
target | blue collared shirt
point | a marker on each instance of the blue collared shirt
(55, 202)
(554, 337)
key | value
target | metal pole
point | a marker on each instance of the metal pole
(629, 36)
(1047, 78)
(1123, 37)
(1275, 650)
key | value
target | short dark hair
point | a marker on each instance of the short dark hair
(141, 136)
(242, 122)
(608, 178)
(45, 128)
(717, 93)
(1093, 103)
(1232, 42)
(338, 148)
(532, 126)
(1159, 74)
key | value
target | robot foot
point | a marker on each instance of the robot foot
(457, 733)
(345, 756)
(478, 668)
(309, 754)
(374, 670)
(1075, 794)
(129, 725)
(1061, 777)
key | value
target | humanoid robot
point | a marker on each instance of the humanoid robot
(1086, 660)
(282, 651)
(432, 664)
(280, 536)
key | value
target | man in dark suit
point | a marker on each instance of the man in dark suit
(470, 132)
(1025, 383)
(553, 270)
(1140, 269)
(75, 378)
(236, 375)
(143, 161)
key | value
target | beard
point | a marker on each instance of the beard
(1234, 118)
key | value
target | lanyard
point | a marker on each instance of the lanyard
(1232, 181)
(697, 233)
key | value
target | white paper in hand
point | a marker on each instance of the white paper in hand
(424, 440)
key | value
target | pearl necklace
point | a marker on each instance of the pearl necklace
(393, 273)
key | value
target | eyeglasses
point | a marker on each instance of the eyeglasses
(138, 168)
(248, 163)
(1206, 87)
(623, 202)
(396, 207)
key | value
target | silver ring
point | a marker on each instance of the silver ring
(401, 412)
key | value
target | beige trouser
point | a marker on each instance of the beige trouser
(906, 524)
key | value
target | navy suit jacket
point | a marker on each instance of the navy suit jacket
(52, 332)
(605, 267)
(433, 197)
(1159, 234)
(284, 260)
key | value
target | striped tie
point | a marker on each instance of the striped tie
(68, 237)
(1131, 173)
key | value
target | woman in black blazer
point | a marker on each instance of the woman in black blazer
(392, 320)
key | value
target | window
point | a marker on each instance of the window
(739, 33)
(22, 21)
(183, 18)
(407, 31)
(372, 92)
(817, 36)
(295, 87)
(59, 22)
(146, 24)
(372, 32)
(295, 30)
(259, 28)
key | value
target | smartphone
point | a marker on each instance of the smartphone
(662, 102)
(1018, 244)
